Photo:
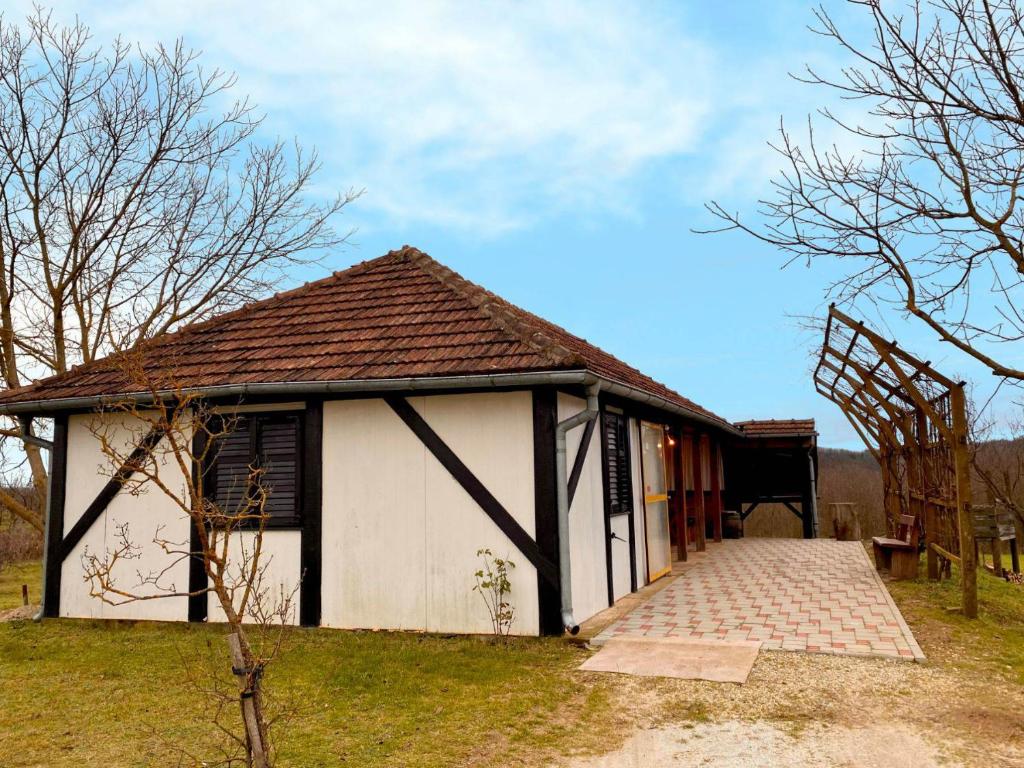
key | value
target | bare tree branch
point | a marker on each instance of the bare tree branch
(134, 197)
(926, 211)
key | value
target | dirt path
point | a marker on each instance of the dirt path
(816, 710)
(739, 744)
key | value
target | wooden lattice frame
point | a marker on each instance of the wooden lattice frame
(914, 421)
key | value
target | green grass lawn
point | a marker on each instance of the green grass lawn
(12, 576)
(94, 693)
(113, 694)
(992, 643)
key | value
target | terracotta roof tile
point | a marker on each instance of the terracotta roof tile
(398, 316)
(777, 427)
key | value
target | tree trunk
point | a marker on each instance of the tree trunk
(249, 696)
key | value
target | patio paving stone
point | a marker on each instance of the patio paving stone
(818, 596)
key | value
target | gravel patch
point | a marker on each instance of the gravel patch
(739, 744)
(960, 719)
(20, 613)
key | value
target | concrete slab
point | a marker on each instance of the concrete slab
(717, 661)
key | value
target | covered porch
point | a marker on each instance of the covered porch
(699, 486)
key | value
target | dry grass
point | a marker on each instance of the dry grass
(12, 576)
(90, 693)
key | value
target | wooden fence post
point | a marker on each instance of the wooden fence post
(968, 561)
(930, 518)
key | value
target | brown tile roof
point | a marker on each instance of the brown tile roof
(402, 315)
(777, 427)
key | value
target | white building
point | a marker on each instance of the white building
(411, 418)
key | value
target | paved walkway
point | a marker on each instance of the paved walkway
(819, 595)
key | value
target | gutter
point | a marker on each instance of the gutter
(422, 383)
(562, 495)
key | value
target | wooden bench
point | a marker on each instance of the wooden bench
(899, 555)
(995, 525)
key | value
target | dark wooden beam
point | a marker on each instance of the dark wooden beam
(198, 599)
(55, 516)
(311, 553)
(794, 510)
(680, 497)
(807, 503)
(698, 493)
(109, 491)
(716, 488)
(580, 460)
(500, 516)
(545, 505)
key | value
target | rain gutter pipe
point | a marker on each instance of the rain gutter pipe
(562, 495)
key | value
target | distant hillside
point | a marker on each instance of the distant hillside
(843, 476)
(854, 476)
(850, 476)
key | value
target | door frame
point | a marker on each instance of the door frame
(652, 577)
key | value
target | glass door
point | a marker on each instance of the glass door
(656, 508)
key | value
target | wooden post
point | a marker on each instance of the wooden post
(680, 485)
(698, 493)
(247, 685)
(807, 501)
(968, 562)
(716, 488)
(24, 594)
(930, 518)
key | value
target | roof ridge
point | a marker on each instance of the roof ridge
(498, 310)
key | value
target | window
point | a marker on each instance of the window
(618, 483)
(271, 442)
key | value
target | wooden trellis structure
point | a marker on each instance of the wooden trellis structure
(914, 421)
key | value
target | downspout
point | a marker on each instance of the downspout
(814, 493)
(562, 494)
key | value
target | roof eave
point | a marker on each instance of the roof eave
(415, 384)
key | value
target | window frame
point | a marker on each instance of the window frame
(623, 438)
(255, 419)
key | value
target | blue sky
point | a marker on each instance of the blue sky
(559, 154)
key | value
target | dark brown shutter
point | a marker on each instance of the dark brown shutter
(619, 484)
(268, 441)
(277, 443)
(233, 457)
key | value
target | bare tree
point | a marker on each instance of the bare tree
(166, 441)
(997, 459)
(926, 208)
(134, 197)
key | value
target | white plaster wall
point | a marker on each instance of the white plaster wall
(620, 556)
(639, 519)
(280, 569)
(400, 535)
(374, 525)
(586, 519)
(148, 515)
(493, 435)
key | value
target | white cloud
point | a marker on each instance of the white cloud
(457, 113)
(486, 116)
